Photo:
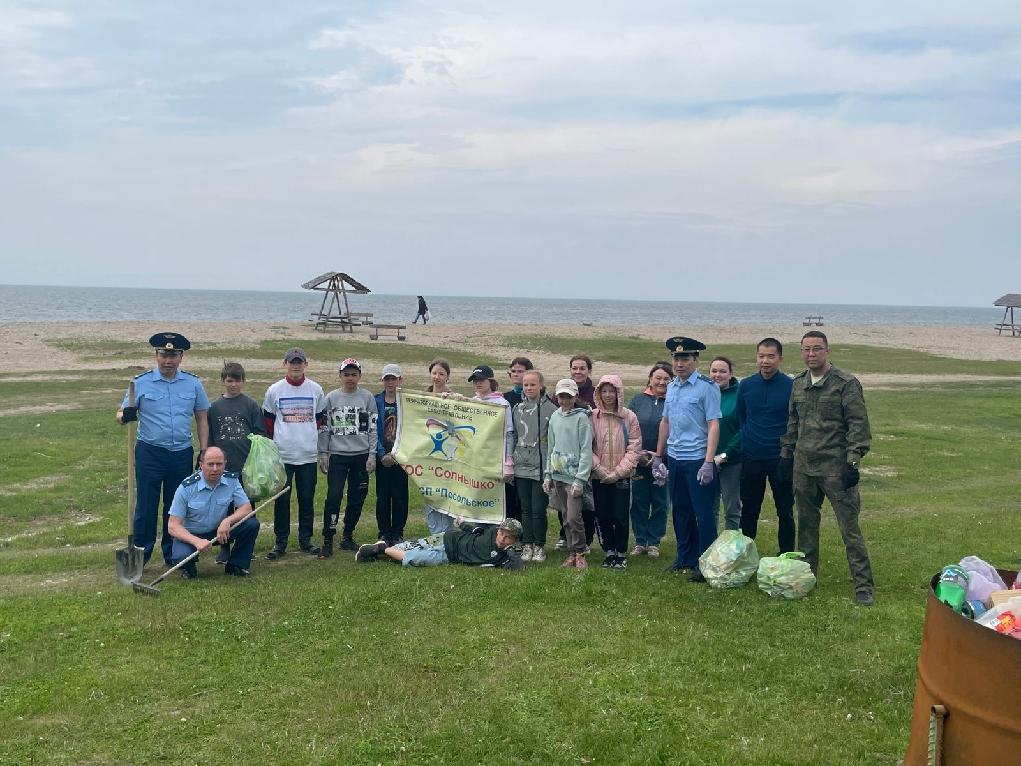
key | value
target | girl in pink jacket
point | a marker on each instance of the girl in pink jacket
(616, 447)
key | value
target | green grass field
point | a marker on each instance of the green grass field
(332, 662)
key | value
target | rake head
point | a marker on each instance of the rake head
(145, 590)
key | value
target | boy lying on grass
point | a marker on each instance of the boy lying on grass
(466, 543)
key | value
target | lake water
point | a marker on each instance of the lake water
(20, 303)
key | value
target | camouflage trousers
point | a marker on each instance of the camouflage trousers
(809, 492)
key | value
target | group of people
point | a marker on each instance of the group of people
(689, 442)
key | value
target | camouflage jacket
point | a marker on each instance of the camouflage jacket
(827, 424)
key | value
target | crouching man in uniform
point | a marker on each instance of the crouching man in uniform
(205, 506)
(464, 543)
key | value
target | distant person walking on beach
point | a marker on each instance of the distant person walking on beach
(423, 311)
(827, 434)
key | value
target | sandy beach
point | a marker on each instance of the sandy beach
(34, 346)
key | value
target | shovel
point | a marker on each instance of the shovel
(130, 560)
(152, 590)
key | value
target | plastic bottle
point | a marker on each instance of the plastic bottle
(952, 588)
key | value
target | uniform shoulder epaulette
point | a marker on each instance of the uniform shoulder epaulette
(192, 479)
(706, 378)
(190, 374)
(142, 374)
(231, 474)
(842, 375)
(801, 374)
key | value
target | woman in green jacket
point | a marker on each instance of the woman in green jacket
(728, 454)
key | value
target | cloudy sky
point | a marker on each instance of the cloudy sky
(864, 152)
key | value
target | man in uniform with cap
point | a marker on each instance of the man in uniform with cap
(827, 435)
(205, 506)
(167, 400)
(688, 436)
(293, 411)
(465, 543)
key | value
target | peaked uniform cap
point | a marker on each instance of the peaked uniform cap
(679, 344)
(169, 341)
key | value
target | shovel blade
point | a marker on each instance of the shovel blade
(130, 563)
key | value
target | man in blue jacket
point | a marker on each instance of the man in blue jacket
(762, 402)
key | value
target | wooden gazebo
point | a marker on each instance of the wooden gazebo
(1009, 302)
(336, 285)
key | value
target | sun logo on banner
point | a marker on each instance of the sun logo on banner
(449, 440)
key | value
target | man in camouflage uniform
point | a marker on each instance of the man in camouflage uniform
(827, 435)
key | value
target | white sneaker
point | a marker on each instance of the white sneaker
(638, 550)
(538, 554)
(526, 552)
(561, 544)
(652, 551)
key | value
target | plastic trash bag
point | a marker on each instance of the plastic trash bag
(785, 576)
(264, 474)
(730, 561)
(983, 579)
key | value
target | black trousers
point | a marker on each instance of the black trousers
(754, 474)
(344, 470)
(613, 505)
(391, 501)
(302, 478)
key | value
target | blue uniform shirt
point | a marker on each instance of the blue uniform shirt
(200, 507)
(689, 408)
(166, 408)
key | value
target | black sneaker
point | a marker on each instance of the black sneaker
(277, 552)
(696, 576)
(675, 567)
(327, 550)
(608, 561)
(620, 563)
(189, 573)
(370, 552)
(235, 571)
(865, 598)
(347, 543)
(311, 550)
(223, 556)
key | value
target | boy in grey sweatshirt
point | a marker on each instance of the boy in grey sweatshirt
(347, 454)
(569, 465)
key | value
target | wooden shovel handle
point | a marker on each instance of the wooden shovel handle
(131, 466)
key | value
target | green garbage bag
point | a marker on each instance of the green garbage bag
(730, 561)
(263, 475)
(786, 575)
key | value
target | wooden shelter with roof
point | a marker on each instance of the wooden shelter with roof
(1009, 302)
(336, 285)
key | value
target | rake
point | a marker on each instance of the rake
(152, 590)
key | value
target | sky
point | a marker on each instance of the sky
(713, 150)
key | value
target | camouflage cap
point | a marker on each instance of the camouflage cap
(513, 526)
